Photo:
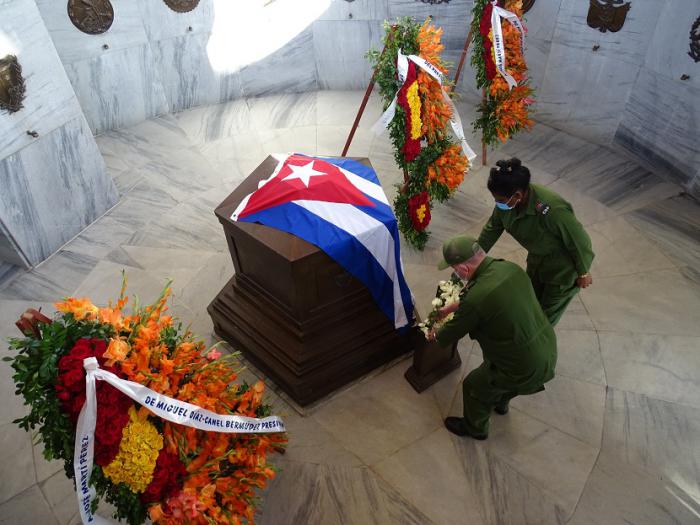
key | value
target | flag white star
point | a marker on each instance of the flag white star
(303, 173)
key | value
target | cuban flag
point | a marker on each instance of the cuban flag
(339, 206)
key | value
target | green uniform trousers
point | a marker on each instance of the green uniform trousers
(482, 392)
(553, 298)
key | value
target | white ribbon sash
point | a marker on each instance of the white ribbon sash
(165, 407)
(455, 121)
(498, 45)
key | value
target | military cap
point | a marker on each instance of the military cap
(457, 250)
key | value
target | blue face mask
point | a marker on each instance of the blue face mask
(504, 205)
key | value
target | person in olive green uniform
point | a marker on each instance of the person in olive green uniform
(497, 308)
(559, 249)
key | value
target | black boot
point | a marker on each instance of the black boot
(502, 409)
(459, 426)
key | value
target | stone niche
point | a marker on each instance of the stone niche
(53, 181)
(294, 312)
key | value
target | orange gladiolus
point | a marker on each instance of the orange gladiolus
(435, 111)
(511, 110)
(117, 350)
(82, 309)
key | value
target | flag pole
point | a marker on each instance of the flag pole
(368, 92)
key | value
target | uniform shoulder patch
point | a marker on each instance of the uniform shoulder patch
(542, 208)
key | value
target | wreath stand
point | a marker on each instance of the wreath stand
(431, 362)
(370, 87)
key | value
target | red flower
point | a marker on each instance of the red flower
(411, 147)
(419, 210)
(167, 478)
(112, 417)
(484, 28)
(112, 405)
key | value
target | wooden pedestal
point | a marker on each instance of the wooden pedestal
(294, 312)
(431, 362)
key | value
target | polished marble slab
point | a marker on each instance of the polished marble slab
(622, 249)
(49, 100)
(668, 49)
(356, 10)
(160, 22)
(674, 224)
(379, 417)
(16, 448)
(336, 494)
(584, 92)
(578, 351)
(210, 123)
(188, 78)
(608, 500)
(433, 461)
(127, 30)
(646, 304)
(289, 69)
(118, 89)
(340, 48)
(53, 189)
(663, 367)
(659, 126)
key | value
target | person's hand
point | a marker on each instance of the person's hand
(584, 281)
(447, 310)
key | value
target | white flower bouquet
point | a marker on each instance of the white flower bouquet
(447, 295)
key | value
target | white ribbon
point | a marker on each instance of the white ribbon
(455, 121)
(162, 406)
(498, 45)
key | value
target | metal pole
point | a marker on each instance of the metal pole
(368, 92)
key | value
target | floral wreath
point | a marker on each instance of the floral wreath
(145, 466)
(505, 109)
(433, 162)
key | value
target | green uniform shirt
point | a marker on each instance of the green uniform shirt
(498, 308)
(559, 249)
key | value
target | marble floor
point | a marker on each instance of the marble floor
(615, 438)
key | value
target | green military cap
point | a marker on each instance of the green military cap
(457, 250)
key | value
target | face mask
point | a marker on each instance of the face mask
(504, 205)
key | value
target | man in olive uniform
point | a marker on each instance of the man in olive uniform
(559, 249)
(497, 308)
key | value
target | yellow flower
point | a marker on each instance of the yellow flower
(420, 213)
(138, 452)
(415, 105)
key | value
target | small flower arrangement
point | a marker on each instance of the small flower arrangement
(448, 294)
(145, 466)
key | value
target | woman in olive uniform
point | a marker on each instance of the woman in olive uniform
(559, 249)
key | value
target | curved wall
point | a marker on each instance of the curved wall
(626, 93)
(621, 89)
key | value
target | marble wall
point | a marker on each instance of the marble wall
(55, 184)
(619, 89)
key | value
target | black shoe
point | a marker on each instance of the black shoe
(458, 426)
(501, 409)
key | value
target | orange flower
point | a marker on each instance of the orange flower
(435, 111)
(117, 350)
(449, 168)
(82, 309)
(156, 512)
